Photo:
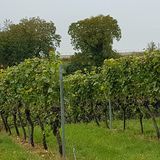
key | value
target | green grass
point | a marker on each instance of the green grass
(99, 143)
(11, 151)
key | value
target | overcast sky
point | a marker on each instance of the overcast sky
(139, 20)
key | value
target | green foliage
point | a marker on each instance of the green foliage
(94, 37)
(128, 80)
(131, 83)
(29, 38)
(82, 95)
(78, 62)
(31, 81)
(31, 90)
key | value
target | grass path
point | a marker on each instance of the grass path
(91, 143)
(9, 150)
(97, 143)
(12, 148)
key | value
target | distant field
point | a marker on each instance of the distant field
(92, 143)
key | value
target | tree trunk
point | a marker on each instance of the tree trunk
(141, 121)
(97, 122)
(4, 122)
(93, 113)
(15, 123)
(156, 127)
(59, 141)
(124, 118)
(56, 133)
(75, 117)
(43, 131)
(106, 118)
(154, 122)
(22, 124)
(28, 117)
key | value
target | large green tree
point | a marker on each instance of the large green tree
(30, 37)
(94, 37)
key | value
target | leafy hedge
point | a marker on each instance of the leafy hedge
(131, 83)
(30, 93)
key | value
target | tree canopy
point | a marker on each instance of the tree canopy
(152, 47)
(94, 37)
(29, 38)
